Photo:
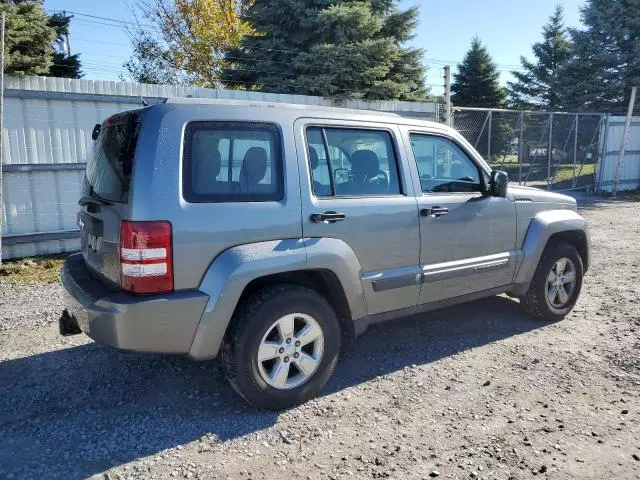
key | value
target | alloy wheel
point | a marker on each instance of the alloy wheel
(561, 283)
(290, 351)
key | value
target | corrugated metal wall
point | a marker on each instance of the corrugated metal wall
(47, 134)
(611, 142)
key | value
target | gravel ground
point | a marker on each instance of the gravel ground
(476, 391)
(29, 306)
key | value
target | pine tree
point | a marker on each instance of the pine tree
(344, 49)
(542, 84)
(477, 81)
(28, 38)
(477, 84)
(606, 63)
(64, 64)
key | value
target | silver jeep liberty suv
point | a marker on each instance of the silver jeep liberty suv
(262, 233)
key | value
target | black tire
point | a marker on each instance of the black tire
(536, 301)
(250, 324)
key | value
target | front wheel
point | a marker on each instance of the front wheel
(556, 283)
(283, 347)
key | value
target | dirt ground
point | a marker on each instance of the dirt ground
(476, 391)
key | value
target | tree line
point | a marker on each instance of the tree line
(343, 49)
(333, 48)
(573, 69)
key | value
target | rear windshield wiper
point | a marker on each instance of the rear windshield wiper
(93, 200)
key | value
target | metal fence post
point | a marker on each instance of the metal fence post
(625, 139)
(521, 148)
(2, 23)
(602, 159)
(489, 137)
(575, 151)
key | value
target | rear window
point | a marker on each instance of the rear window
(232, 162)
(110, 162)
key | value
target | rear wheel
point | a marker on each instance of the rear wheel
(283, 346)
(556, 284)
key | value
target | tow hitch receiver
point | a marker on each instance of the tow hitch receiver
(68, 324)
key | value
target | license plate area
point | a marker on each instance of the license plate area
(91, 239)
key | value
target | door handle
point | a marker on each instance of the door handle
(434, 211)
(329, 217)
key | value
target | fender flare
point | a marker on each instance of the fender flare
(541, 228)
(232, 270)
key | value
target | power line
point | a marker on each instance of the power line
(114, 69)
(103, 43)
(123, 25)
(108, 70)
(110, 19)
(232, 58)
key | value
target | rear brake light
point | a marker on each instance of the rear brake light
(146, 259)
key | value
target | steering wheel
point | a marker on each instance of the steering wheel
(341, 175)
(381, 178)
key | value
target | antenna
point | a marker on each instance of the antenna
(144, 103)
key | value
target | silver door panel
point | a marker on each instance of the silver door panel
(383, 231)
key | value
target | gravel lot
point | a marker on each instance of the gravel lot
(475, 391)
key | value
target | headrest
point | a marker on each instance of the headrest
(207, 156)
(254, 165)
(364, 163)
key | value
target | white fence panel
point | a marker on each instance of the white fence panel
(612, 140)
(47, 135)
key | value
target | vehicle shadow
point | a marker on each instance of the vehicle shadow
(79, 411)
(426, 338)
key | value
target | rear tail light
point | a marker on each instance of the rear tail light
(146, 259)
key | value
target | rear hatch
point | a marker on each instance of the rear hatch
(105, 194)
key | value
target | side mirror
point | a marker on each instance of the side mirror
(498, 183)
(96, 131)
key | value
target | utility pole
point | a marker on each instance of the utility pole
(67, 46)
(447, 95)
(2, 24)
(521, 148)
(625, 139)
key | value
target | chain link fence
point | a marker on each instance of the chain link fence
(556, 151)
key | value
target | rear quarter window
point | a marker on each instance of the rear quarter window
(232, 162)
(109, 165)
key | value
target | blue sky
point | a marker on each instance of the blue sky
(507, 27)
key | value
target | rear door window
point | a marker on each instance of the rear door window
(352, 162)
(109, 165)
(232, 162)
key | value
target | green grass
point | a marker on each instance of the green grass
(507, 160)
(565, 172)
(45, 269)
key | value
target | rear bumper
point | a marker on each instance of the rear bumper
(164, 323)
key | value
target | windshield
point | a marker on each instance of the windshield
(110, 162)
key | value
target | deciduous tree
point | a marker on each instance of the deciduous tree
(185, 41)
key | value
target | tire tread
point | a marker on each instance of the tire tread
(533, 303)
(246, 317)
